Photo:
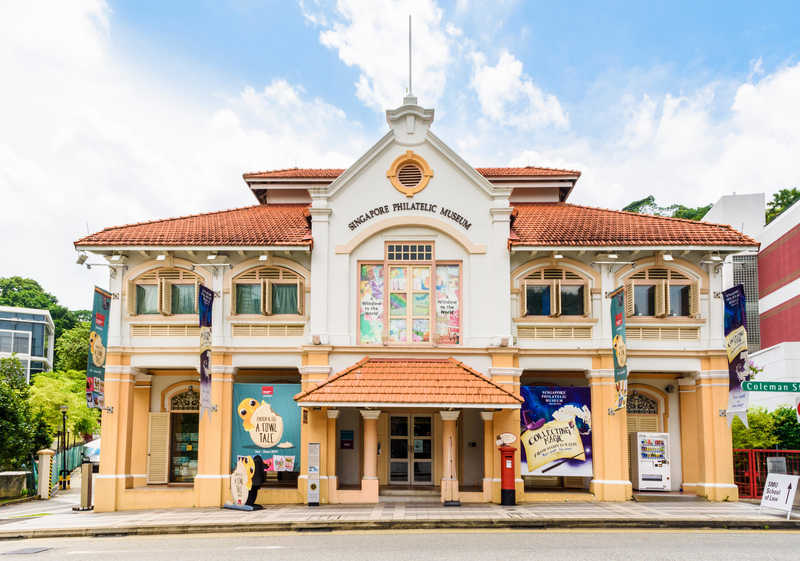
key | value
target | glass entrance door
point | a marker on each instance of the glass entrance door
(411, 450)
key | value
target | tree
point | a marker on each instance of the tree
(51, 390)
(22, 432)
(27, 293)
(648, 206)
(72, 348)
(787, 429)
(760, 435)
(781, 200)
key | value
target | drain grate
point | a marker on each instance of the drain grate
(27, 551)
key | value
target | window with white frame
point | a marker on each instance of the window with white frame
(164, 291)
(661, 292)
(268, 291)
(555, 292)
(409, 297)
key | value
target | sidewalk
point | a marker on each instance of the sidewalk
(396, 516)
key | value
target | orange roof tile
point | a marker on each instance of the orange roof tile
(255, 225)
(300, 173)
(563, 224)
(417, 381)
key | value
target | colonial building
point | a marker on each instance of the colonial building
(404, 305)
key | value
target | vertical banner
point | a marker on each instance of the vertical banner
(620, 349)
(205, 306)
(735, 322)
(556, 431)
(266, 422)
(98, 340)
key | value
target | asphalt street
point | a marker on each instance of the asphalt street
(417, 545)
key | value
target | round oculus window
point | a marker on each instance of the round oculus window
(409, 176)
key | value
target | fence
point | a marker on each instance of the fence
(74, 456)
(750, 469)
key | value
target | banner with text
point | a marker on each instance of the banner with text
(267, 422)
(205, 307)
(735, 323)
(620, 348)
(556, 431)
(98, 341)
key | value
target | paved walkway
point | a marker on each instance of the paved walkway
(396, 516)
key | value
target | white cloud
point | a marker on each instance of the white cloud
(509, 97)
(86, 139)
(373, 36)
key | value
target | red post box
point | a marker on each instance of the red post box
(508, 490)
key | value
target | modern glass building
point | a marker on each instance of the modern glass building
(31, 335)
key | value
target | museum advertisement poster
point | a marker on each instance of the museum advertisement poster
(266, 422)
(619, 348)
(556, 431)
(98, 341)
(735, 324)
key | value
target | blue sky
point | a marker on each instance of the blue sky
(124, 111)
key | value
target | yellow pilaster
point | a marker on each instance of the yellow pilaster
(690, 452)
(370, 484)
(141, 412)
(506, 372)
(714, 437)
(488, 453)
(115, 454)
(609, 440)
(212, 482)
(315, 431)
(333, 480)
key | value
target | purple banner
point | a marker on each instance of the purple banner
(735, 323)
(205, 307)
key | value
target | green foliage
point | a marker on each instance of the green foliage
(27, 293)
(787, 429)
(22, 432)
(782, 200)
(760, 435)
(648, 206)
(72, 348)
(51, 390)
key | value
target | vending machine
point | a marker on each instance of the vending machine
(650, 461)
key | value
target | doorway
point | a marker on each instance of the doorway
(411, 449)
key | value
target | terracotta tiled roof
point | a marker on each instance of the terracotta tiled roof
(298, 173)
(445, 381)
(527, 171)
(562, 224)
(295, 173)
(254, 225)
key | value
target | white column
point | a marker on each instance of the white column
(449, 482)
(500, 260)
(320, 224)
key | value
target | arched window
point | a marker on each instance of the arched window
(268, 291)
(662, 292)
(165, 291)
(555, 292)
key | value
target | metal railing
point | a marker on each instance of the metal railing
(750, 469)
(74, 455)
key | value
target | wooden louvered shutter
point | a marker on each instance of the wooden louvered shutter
(555, 298)
(158, 448)
(523, 298)
(130, 298)
(662, 298)
(233, 297)
(694, 299)
(629, 307)
(165, 297)
(196, 296)
(587, 300)
(266, 297)
(301, 296)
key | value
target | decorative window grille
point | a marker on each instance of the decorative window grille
(639, 404)
(186, 401)
(745, 272)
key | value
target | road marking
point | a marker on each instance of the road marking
(262, 547)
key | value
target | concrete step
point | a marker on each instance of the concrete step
(409, 496)
(666, 498)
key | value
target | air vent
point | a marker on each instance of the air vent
(409, 176)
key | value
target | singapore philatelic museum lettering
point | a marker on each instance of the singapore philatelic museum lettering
(454, 216)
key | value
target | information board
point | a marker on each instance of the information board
(779, 493)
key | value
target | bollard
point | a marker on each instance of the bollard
(86, 486)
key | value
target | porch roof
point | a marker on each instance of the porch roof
(441, 383)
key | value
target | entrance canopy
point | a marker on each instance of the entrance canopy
(438, 384)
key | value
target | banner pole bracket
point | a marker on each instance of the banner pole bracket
(723, 412)
(109, 409)
(610, 412)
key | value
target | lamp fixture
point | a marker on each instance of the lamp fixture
(315, 339)
(613, 256)
(264, 256)
(82, 257)
(435, 336)
(385, 337)
(118, 256)
(714, 256)
(161, 256)
(504, 341)
(558, 256)
(667, 256)
(211, 256)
